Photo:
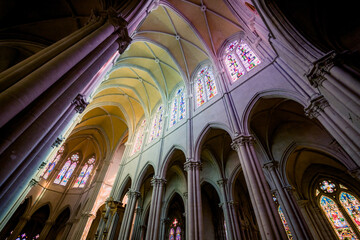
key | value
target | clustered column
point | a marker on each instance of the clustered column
(36, 94)
(266, 216)
(293, 218)
(129, 214)
(194, 214)
(156, 202)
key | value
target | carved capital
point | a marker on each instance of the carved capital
(134, 194)
(270, 165)
(185, 194)
(222, 182)
(158, 181)
(57, 142)
(318, 69)
(33, 182)
(355, 173)
(79, 103)
(192, 165)
(124, 40)
(302, 202)
(317, 105)
(242, 140)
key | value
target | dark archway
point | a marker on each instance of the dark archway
(37, 222)
(14, 220)
(57, 230)
(175, 220)
(95, 223)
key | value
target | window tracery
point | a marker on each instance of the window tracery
(52, 164)
(205, 86)
(282, 217)
(139, 137)
(85, 173)
(156, 126)
(340, 207)
(239, 59)
(67, 170)
(178, 108)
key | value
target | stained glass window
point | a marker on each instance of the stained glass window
(284, 222)
(327, 186)
(178, 233)
(139, 137)
(205, 86)
(171, 234)
(52, 164)
(352, 206)
(67, 170)
(239, 59)
(336, 218)
(85, 173)
(178, 108)
(156, 124)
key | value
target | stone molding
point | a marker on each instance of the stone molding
(271, 165)
(79, 103)
(321, 66)
(242, 140)
(222, 182)
(157, 181)
(316, 106)
(192, 165)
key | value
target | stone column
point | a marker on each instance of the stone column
(45, 231)
(230, 227)
(194, 221)
(264, 207)
(67, 229)
(137, 225)
(346, 136)
(155, 208)
(294, 220)
(128, 215)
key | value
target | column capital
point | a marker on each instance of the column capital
(134, 194)
(57, 142)
(355, 173)
(270, 165)
(158, 181)
(302, 202)
(185, 194)
(242, 140)
(318, 69)
(222, 182)
(317, 105)
(86, 214)
(33, 182)
(79, 103)
(192, 165)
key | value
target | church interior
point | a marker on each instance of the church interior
(179, 119)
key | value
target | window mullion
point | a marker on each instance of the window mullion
(346, 215)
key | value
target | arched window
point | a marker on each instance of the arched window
(178, 107)
(205, 86)
(139, 137)
(52, 164)
(340, 207)
(85, 173)
(283, 219)
(67, 170)
(239, 59)
(156, 126)
(175, 230)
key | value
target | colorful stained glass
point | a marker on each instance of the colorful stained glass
(68, 174)
(86, 177)
(336, 219)
(81, 176)
(178, 233)
(62, 172)
(247, 56)
(234, 68)
(171, 234)
(61, 149)
(177, 107)
(139, 137)
(342, 186)
(285, 224)
(352, 206)
(51, 166)
(317, 192)
(174, 112)
(205, 86)
(157, 124)
(231, 46)
(327, 186)
(210, 84)
(182, 107)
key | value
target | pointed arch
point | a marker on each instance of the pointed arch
(166, 161)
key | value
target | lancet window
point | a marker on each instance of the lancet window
(67, 170)
(205, 86)
(341, 207)
(157, 123)
(85, 173)
(239, 59)
(175, 231)
(178, 107)
(50, 167)
(139, 137)
(283, 219)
